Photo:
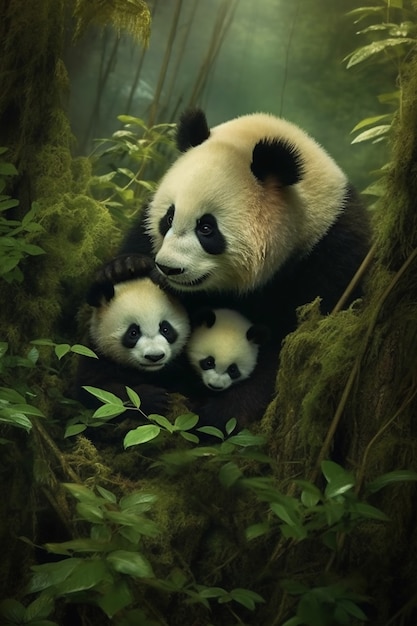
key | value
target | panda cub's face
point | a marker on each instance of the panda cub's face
(140, 326)
(224, 348)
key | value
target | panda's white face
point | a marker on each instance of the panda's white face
(141, 326)
(223, 354)
(223, 217)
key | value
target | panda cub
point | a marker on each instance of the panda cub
(138, 332)
(223, 348)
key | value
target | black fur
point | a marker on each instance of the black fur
(278, 159)
(192, 129)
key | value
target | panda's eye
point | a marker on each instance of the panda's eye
(233, 371)
(205, 229)
(206, 225)
(166, 222)
(168, 331)
(131, 336)
(208, 363)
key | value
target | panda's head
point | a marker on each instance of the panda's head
(223, 347)
(240, 201)
(137, 324)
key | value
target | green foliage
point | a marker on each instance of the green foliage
(14, 246)
(145, 151)
(110, 567)
(389, 45)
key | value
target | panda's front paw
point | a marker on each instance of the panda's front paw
(126, 267)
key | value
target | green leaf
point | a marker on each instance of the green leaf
(51, 574)
(372, 133)
(131, 563)
(81, 492)
(41, 607)
(397, 476)
(133, 397)
(211, 430)
(90, 512)
(339, 480)
(364, 52)
(133, 500)
(368, 121)
(162, 421)
(257, 530)
(87, 575)
(117, 597)
(74, 429)
(141, 434)
(246, 438)
(246, 597)
(109, 410)
(79, 349)
(229, 474)
(231, 425)
(104, 396)
(12, 610)
(107, 495)
(11, 395)
(8, 169)
(62, 349)
(186, 421)
(369, 511)
(285, 513)
(4, 346)
(189, 437)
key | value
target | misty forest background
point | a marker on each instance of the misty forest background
(309, 517)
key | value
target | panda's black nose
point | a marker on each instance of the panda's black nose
(154, 357)
(169, 271)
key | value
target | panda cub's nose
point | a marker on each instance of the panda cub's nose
(169, 271)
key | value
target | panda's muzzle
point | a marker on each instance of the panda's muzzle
(169, 271)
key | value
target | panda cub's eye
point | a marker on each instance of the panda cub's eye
(131, 336)
(233, 371)
(208, 363)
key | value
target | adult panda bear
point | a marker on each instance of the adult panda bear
(254, 216)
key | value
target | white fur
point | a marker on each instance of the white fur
(262, 222)
(142, 302)
(227, 343)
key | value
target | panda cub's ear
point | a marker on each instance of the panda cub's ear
(192, 129)
(279, 159)
(258, 334)
(100, 292)
(203, 317)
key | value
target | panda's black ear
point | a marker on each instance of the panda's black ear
(204, 316)
(100, 292)
(279, 159)
(258, 333)
(192, 129)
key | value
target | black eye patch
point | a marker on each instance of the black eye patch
(233, 371)
(168, 331)
(209, 235)
(131, 336)
(208, 363)
(166, 222)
